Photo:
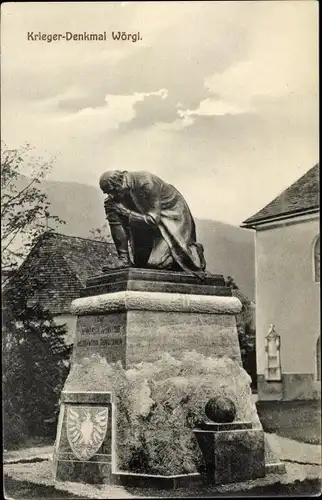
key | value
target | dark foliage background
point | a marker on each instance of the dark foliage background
(34, 356)
(35, 365)
(246, 332)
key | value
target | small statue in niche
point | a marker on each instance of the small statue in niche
(153, 218)
(272, 351)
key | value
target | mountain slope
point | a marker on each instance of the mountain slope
(229, 250)
(79, 205)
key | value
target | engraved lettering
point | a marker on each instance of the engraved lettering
(87, 343)
(108, 341)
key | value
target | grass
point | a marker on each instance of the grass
(299, 420)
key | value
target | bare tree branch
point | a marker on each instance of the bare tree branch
(19, 194)
(24, 205)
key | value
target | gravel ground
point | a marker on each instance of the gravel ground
(40, 473)
(22, 490)
(294, 451)
(286, 449)
(303, 463)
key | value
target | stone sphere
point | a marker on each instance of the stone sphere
(220, 409)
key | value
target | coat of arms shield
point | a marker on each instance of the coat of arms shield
(86, 430)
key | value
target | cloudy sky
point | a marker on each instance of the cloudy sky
(218, 98)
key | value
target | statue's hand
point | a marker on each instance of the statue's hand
(109, 204)
(121, 209)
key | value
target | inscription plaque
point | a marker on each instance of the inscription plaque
(102, 325)
(105, 334)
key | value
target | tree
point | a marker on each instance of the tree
(36, 363)
(24, 205)
(35, 356)
(246, 331)
(230, 282)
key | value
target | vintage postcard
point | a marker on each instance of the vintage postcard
(160, 254)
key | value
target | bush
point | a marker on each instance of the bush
(34, 359)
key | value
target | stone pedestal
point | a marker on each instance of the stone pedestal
(134, 315)
(233, 452)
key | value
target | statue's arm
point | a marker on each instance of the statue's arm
(150, 201)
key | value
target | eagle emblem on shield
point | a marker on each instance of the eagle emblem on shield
(86, 430)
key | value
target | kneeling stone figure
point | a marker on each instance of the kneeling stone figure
(153, 218)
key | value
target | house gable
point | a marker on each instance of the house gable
(302, 197)
(58, 267)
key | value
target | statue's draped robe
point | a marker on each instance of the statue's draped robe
(170, 235)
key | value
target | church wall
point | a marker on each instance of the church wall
(288, 297)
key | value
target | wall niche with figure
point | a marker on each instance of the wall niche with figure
(273, 372)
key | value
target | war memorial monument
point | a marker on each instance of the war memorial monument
(156, 392)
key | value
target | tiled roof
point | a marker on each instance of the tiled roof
(60, 266)
(302, 196)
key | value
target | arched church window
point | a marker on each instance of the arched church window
(273, 371)
(318, 358)
(316, 257)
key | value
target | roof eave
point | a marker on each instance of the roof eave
(252, 224)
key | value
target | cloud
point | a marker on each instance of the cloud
(215, 107)
(117, 109)
(281, 63)
(176, 125)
